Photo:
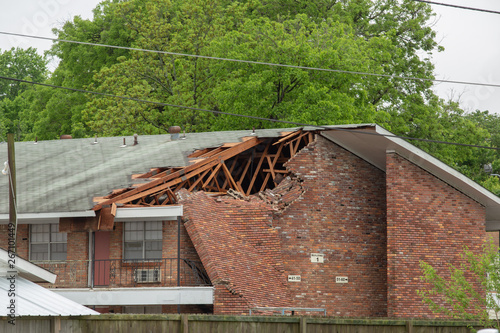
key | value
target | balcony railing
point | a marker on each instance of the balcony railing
(127, 273)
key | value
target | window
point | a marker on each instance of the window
(142, 240)
(47, 243)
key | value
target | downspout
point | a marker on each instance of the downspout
(91, 259)
(178, 258)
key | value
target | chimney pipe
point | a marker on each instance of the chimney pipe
(174, 132)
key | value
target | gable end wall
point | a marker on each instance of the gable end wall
(427, 220)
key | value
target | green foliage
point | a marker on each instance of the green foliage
(58, 112)
(177, 26)
(390, 37)
(467, 291)
(22, 64)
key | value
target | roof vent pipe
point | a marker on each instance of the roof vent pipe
(136, 139)
(174, 132)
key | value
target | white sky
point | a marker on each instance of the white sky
(471, 41)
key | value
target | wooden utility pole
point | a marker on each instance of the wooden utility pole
(12, 185)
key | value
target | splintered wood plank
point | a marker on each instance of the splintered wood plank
(213, 188)
(212, 152)
(256, 171)
(219, 189)
(271, 168)
(200, 178)
(230, 178)
(230, 144)
(287, 137)
(264, 184)
(113, 209)
(212, 175)
(174, 177)
(180, 185)
(297, 143)
(276, 171)
(249, 162)
(199, 152)
(272, 162)
(311, 137)
(231, 170)
(170, 197)
(158, 196)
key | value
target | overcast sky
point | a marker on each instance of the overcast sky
(471, 40)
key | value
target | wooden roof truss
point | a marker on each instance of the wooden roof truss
(247, 167)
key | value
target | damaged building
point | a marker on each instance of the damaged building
(305, 219)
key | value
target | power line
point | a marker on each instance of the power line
(243, 116)
(258, 62)
(460, 7)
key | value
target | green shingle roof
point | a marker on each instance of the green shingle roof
(64, 175)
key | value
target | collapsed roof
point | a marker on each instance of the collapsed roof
(71, 178)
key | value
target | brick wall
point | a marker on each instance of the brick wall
(341, 214)
(74, 271)
(229, 303)
(124, 271)
(22, 242)
(428, 220)
(239, 250)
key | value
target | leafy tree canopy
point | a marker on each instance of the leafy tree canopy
(389, 37)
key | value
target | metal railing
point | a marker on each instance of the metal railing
(127, 273)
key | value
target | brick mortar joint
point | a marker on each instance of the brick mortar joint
(393, 152)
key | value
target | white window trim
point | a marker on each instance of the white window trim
(143, 241)
(30, 238)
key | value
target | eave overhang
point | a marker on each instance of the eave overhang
(382, 141)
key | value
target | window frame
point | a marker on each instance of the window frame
(143, 241)
(49, 243)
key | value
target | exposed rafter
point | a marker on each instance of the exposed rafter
(247, 167)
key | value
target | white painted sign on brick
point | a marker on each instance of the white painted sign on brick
(342, 279)
(317, 257)
(293, 278)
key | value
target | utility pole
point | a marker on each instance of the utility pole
(12, 188)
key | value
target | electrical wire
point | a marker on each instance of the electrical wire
(460, 7)
(412, 78)
(244, 116)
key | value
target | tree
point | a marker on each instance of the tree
(22, 64)
(60, 111)
(364, 36)
(170, 26)
(469, 290)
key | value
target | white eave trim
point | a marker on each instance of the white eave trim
(28, 270)
(162, 213)
(138, 295)
(430, 164)
(33, 218)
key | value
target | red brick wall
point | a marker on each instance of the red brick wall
(74, 271)
(341, 214)
(22, 240)
(124, 271)
(239, 250)
(428, 220)
(227, 303)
